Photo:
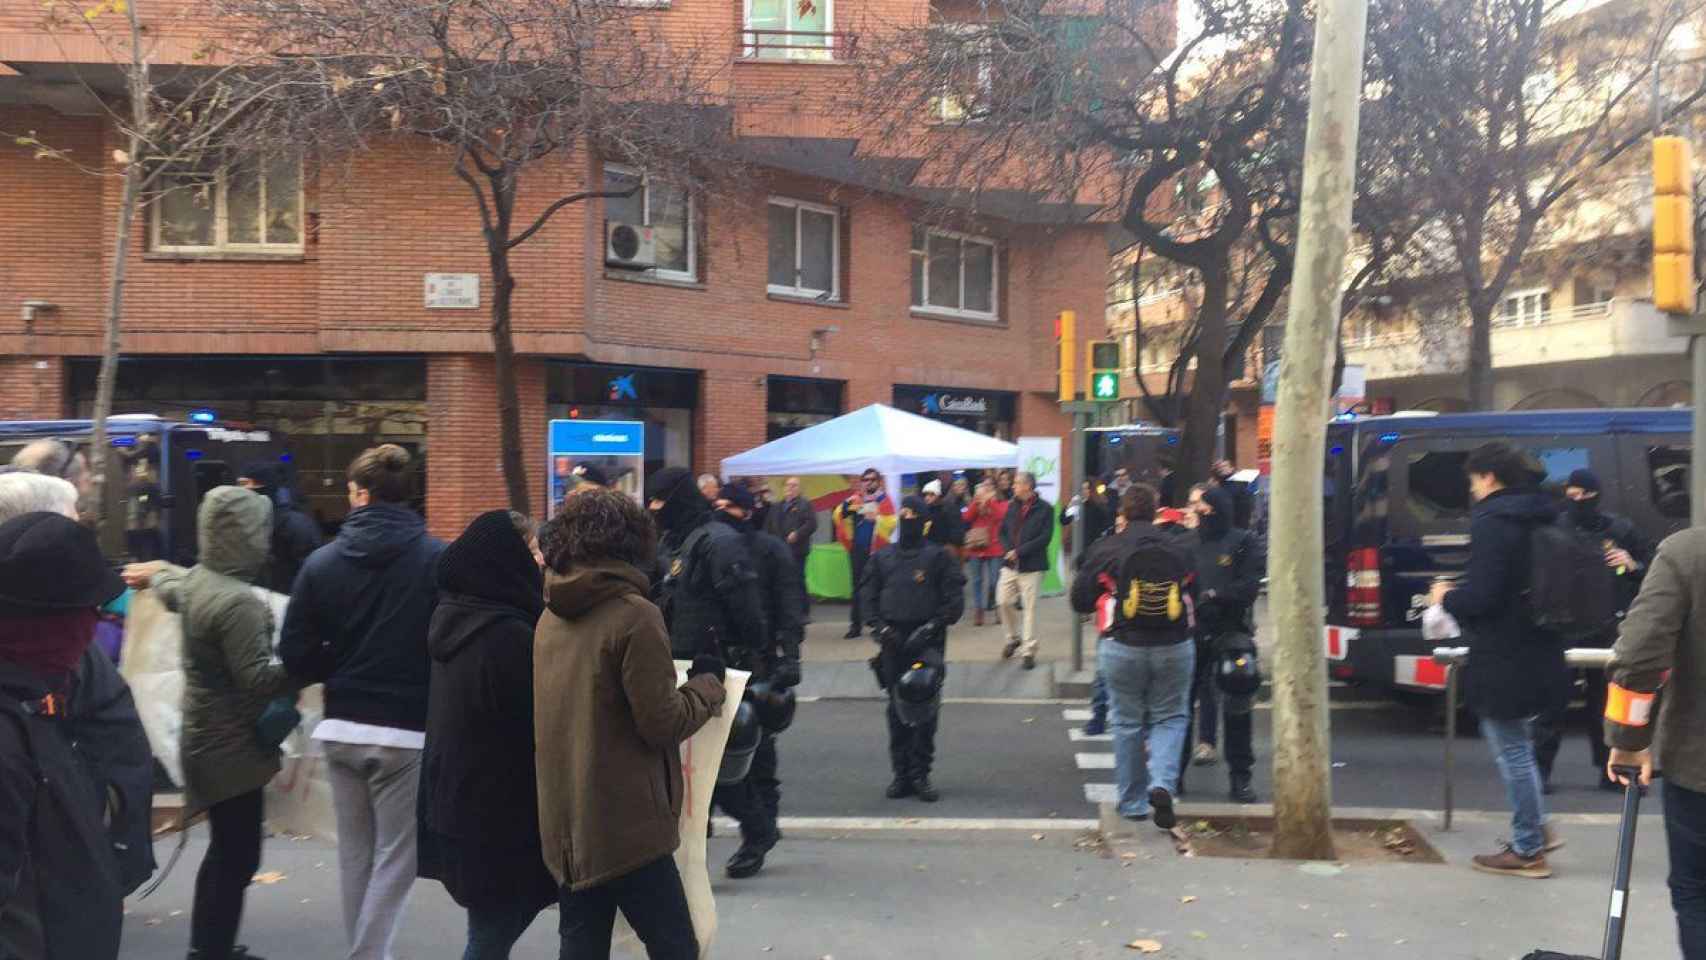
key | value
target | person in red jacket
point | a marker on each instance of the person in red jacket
(983, 517)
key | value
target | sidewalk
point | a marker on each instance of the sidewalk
(835, 667)
(1006, 894)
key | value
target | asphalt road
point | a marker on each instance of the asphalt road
(1019, 761)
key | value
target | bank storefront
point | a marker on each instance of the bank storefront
(989, 412)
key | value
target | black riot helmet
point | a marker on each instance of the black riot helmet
(918, 693)
(775, 705)
(1237, 674)
(744, 736)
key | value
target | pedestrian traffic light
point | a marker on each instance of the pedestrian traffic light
(1102, 369)
(1673, 226)
(1065, 345)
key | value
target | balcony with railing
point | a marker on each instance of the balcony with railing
(798, 45)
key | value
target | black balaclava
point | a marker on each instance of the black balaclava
(1219, 523)
(684, 507)
(738, 496)
(912, 528)
(1585, 512)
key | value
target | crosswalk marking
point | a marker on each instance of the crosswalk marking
(1100, 793)
(1079, 736)
(1094, 761)
(1075, 715)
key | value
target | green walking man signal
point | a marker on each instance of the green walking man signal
(1102, 368)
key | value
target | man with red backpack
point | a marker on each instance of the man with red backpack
(1141, 579)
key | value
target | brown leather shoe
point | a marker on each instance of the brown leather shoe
(1509, 863)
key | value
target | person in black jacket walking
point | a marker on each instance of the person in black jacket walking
(1146, 656)
(794, 522)
(943, 525)
(1230, 565)
(1025, 535)
(61, 887)
(709, 594)
(1627, 554)
(1515, 669)
(295, 535)
(778, 663)
(357, 622)
(479, 797)
(912, 583)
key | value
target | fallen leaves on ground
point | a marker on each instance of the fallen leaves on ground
(1144, 946)
(1398, 841)
(268, 878)
(1188, 898)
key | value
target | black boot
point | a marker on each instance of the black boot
(1241, 791)
(749, 859)
(899, 788)
(924, 790)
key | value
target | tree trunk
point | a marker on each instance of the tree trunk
(1205, 404)
(509, 394)
(1303, 803)
(106, 381)
(1480, 367)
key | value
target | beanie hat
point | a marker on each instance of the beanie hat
(660, 485)
(261, 472)
(737, 495)
(1584, 478)
(491, 561)
(591, 473)
(683, 504)
(934, 487)
(50, 562)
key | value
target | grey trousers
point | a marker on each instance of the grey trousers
(373, 790)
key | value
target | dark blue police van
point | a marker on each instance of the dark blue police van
(157, 472)
(1397, 513)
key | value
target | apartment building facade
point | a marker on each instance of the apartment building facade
(352, 307)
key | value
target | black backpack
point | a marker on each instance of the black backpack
(1150, 587)
(1571, 590)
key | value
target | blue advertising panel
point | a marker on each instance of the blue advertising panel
(590, 451)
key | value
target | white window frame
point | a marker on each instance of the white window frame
(691, 274)
(221, 221)
(1526, 317)
(833, 294)
(827, 52)
(994, 314)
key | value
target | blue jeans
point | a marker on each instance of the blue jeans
(1685, 833)
(1149, 691)
(492, 931)
(984, 572)
(1099, 696)
(1512, 743)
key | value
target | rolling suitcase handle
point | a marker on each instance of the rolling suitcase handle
(1618, 911)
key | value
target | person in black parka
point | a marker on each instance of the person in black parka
(295, 535)
(1515, 668)
(479, 804)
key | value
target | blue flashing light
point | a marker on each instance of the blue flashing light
(124, 441)
(1172, 441)
(192, 454)
(203, 415)
(1115, 439)
(284, 458)
(1388, 438)
(1337, 449)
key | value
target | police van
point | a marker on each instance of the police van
(157, 472)
(1397, 505)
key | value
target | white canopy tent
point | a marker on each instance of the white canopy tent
(891, 441)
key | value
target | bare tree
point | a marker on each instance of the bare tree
(1515, 104)
(506, 88)
(168, 117)
(1181, 136)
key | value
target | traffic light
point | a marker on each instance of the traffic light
(1673, 226)
(1102, 369)
(1065, 346)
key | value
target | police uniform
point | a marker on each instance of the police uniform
(708, 592)
(907, 585)
(1230, 566)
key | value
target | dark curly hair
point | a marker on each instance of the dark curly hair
(598, 525)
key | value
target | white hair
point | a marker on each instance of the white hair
(705, 478)
(52, 457)
(23, 492)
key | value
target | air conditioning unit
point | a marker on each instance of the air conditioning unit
(629, 246)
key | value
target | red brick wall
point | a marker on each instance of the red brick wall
(464, 469)
(32, 388)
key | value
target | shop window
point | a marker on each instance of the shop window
(795, 403)
(805, 250)
(253, 207)
(1668, 466)
(668, 209)
(953, 274)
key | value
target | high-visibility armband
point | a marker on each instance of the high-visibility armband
(1628, 707)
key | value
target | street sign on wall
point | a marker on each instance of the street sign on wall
(452, 291)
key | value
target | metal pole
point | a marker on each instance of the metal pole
(1450, 736)
(1697, 457)
(1080, 542)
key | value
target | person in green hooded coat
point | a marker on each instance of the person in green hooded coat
(230, 679)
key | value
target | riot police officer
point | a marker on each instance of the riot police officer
(776, 672)
(913, 590)
(708, 591)
(1230, 566)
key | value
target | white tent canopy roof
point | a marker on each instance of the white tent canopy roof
(891, 441)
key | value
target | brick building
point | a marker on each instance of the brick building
(294, 300)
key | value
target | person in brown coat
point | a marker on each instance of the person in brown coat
(609, 721)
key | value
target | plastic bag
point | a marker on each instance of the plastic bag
(1438, 625)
